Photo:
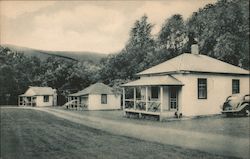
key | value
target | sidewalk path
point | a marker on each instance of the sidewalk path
(212, 143)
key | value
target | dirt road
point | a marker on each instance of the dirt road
(211, 143)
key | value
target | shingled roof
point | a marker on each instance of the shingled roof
(97, 88)
(36, 91)
(194, 63)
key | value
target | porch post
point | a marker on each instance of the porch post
(18, 100)
(31, 101)
(123, 98)
(78, 103)
(180, 100)
(24, 101)
(134, 98)
(146, 98)
(161, 96)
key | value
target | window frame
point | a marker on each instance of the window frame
(202, 87)
(46, 97)
(152, 92)
(104, 100)
(237, 84)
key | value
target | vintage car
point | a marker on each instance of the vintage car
(236, 105)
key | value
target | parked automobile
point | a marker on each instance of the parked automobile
(236, 105)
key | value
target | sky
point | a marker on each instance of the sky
(95, 26)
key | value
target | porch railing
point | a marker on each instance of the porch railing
(141, 105)
(153, 106)
(75, 104)
(129, 104)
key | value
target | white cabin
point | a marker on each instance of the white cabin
(190, 84)
(38, 96)
(96, 97)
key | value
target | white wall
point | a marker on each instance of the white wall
(113, 102)
(40, 103)
(219, 87)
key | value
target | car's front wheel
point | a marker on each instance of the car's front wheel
(247, 112)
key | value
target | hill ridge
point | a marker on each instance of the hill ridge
(44, 54)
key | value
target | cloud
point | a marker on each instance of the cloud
(79, 28)
(83, 19)
(13, 9)
(83, 26)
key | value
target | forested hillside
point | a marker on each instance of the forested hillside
(68, 55)
(17, 72)
(221, 30)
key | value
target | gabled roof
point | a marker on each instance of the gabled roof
(194, 63)
(166, 80)
(97, 88)
(36, 91)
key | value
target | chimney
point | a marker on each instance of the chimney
(195, 49)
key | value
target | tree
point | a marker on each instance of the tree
(227, 19)
(227, 49)
(131, 59)
(172, 34)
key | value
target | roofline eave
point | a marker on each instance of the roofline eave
(92, 94)
(189, 72)
(22, 95)
(153, 85)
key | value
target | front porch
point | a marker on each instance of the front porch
(27, 100)
(77, 102)
(154, 97)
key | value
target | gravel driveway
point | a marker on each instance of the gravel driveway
(212, 143)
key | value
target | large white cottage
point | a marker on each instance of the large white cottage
(95, 97)
(38, 96)
(190, 84)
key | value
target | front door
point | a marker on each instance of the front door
(173, 98)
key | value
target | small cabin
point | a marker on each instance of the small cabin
(191, 84)
(95, 97)
(38, 96)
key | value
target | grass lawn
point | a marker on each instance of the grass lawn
(239, 127)
(33, 134)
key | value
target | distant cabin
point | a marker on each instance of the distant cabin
(190, 84)
(38, 96)
(96, 97)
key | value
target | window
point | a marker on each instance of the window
(235, 86)
(202, 88)
(104, 99)
(45, 98)
(154, 92)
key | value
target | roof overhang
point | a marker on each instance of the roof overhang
(192, 72)
(24, 95)
(166, 80)
(77, 95)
